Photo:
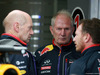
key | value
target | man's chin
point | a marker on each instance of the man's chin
(78, 50)
(63, 43)
(27, 41)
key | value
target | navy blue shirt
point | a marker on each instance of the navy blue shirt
(25, 62)
(88, 64)
(52, 60)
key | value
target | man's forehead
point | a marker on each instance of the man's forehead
(79, 28)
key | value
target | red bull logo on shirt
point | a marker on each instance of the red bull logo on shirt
(46, 49)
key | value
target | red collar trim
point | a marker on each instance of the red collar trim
(62, 44)
(15, 38)
(90, 46)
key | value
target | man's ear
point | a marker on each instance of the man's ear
(51, 30)
(87, 37)
(16, 27)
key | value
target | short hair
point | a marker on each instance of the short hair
(93, 28)
(63, 11)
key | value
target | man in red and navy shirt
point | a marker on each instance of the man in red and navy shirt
(87, 41)
(55, 58)
(18, 31)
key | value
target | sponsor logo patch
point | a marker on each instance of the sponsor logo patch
(45, 67)
(26, 54)
(46, 71)
(19, 62)
(46, 49)
(22, 71)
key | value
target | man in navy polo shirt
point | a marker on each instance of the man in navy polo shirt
(18, 31)
(55, 58)
(87, 41)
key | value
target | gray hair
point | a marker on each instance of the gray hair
(65, 12)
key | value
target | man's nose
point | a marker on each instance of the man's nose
(31, 32)
(62, 32)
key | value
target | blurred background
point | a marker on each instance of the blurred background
(41, 12)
